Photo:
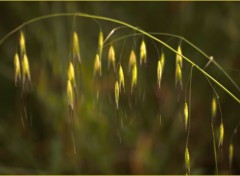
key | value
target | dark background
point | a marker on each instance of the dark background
(145, 146)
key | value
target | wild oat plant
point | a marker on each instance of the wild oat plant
(121, 58)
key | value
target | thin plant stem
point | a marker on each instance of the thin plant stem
(214, 149)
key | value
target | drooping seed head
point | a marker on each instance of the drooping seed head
(132, 59)
(231, 152)
(186, 114)
(134, 77)
(97, 66)
(143, 53)
(71, 73)
(214, 107)
(100, 43)
(162, 60)
(70, 94)
(178, 75)
(76, 47)
(178, 56)
(221, 134)
(159, 73)
(22, 44)
(187, 160)
(121, 78)
(25, 68)
(116, 93)
(111, 57)
(17, 69)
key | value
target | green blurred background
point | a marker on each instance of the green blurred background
(147, 135)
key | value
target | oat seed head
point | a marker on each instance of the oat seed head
(214, 107)
(221, 134)
(116, 93)
(159, 73)
(143, 53)
(22, 44)
(121, 78)
(187, 160)
(178, 79)
(162, 60)
(111, 57)
(97, 66)
(100, 44)
(132, 59)
(25, 68)
(71, 73)
(186, 114)
(70, 94)
(76, 47)
(178, 56)
(17, 69)
(134, 77)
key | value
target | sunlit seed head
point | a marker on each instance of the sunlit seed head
(178, 56)
(116, 93)
(132, 59)
(71, 74)
(17, 69)
(100, 43)
(214, 107)
(231, 152)
(22, 44)
(159, 73)
(121, 78)
(162, 60)
(178, 77)
(70, 94)
(111, 57)
(187, 160)
(25, 68)
(97, 66)
(76, 47)
(186, 114)
(134, 77)
(143, 53)
(221, 134)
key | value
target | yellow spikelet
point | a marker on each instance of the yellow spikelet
(100, 43)
(159, 73)
(214, 107)
(111, 57)
(132, 59)
(187, 160)
(121, 78)
(178, 56)
(22, 44)
(162, 60)
(25, 69)
(71, 74)
(186, 114)
(231, 152)
(76, 47)
(143, 53)
(178, 79)
(70, 94)
(116, 93)
(134, 77)
(97, 66)
(221, 134)
(17, 69)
